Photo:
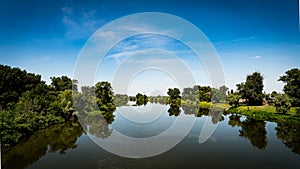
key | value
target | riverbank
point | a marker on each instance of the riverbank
(266, 113)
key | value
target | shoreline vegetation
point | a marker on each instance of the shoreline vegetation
(28, 104)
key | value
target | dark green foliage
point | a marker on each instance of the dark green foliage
(104, 96)
(13, 83)
(174, 96)
(141, 99)
(61, 83)
(289, 133)
(282, 102)
(174, 110)
(292, 86)
(28, 104)
(233, 99)
(251, 129)
(132, 98)
(56, 138)
(252, 89)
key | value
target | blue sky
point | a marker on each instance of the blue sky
(46, 37)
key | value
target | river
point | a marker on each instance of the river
(237, 142)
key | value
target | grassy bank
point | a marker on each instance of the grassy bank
(267, 113)
(205, 105)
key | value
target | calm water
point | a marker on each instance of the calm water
(238, 142)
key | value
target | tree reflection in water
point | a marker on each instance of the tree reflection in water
(98, 124)
(174, 110)
(60, 138)
(253, 130)
(216, 115)
(290, 136)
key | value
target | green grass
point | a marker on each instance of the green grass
(205, 105)
(267, 113)
(95, 113)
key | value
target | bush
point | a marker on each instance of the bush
(282, 103)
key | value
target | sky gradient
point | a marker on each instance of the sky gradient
(46, 37)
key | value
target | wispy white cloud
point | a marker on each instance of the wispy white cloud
(257, 57)
(80, 23)
(234, 42)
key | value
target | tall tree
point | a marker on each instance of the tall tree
(252, 89)
(292, 86)
(174, 95)
(104, 95)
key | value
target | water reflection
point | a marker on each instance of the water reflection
(98, 124)
(251, 129)
(55, 138)
(216, 115)
(290, 136)
(62, 137)
(174, 110)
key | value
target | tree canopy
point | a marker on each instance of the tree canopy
(252, 89)
(292, 86)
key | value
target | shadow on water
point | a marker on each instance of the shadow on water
(58, 138)
(290, 136)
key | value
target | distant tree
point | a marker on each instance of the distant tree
(120, 99)
(219, 95)
(292, 86)
(188, 93)
(141, 99)
(252, 89)
(282, 102)
(174, 95)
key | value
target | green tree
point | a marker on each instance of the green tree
(233, 99)
(252, 89)
(219, 95)
(63, 83)
(141, 99)
(104, 96)
(13, 83)
(174, 96)
(282, 102)
(292, 86)
(66, 103)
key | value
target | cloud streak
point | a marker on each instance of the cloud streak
(257, 57)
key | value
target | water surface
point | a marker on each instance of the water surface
(238, 142)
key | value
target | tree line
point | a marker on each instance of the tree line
(248, 93)
(251, 92)
(28, 104)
